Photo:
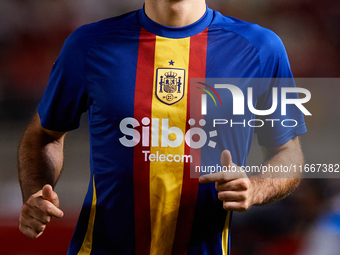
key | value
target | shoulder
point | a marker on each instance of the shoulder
(271, 51)
(261, 38)
(85, 36)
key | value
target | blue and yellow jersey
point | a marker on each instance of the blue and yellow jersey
(133, 77)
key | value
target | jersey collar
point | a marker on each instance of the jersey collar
(175, 32)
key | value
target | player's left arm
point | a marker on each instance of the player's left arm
(239, 193)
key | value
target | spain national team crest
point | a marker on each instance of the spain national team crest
(170, 85)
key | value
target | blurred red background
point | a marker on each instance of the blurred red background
(31, 36)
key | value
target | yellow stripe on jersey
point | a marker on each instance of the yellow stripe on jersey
(225, 235)
(86, 247)
(166, 177)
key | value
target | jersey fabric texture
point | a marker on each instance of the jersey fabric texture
(132, 75)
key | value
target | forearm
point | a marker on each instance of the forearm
(272, 187)
(271, 190)
(40, 159)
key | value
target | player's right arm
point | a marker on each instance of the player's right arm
(40, 160)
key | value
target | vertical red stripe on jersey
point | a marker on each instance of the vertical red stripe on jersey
(197, 69)
(141, 169)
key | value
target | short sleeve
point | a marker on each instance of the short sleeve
(279, 128)
(65, 97)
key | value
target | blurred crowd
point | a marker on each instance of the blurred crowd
(305, 223)
(32, 33)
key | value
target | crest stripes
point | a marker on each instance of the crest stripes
(166, 177)
(197, 66)
(141, 171)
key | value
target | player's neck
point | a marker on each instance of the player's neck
(175, 13)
